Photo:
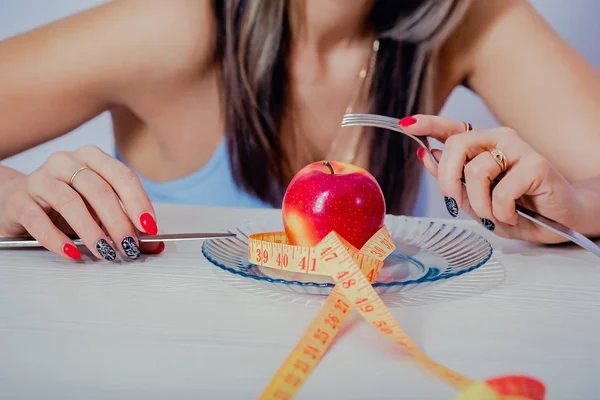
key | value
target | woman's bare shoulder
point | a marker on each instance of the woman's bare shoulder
(173, 34)
(79, 66)
(459, 51)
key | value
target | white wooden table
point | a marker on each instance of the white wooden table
(170, 327)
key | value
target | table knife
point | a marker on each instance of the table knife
(17, 242)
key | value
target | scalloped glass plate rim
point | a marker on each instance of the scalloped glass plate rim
(424, 279)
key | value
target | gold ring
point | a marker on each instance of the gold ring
(75, 174)
(500, 159)
(468, 126)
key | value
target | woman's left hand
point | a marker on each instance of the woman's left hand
(493, 188)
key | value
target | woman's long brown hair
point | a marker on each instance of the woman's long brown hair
(252, 47)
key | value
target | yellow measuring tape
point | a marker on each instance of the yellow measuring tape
(353, 271)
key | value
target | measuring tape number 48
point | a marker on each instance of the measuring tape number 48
(353, 272)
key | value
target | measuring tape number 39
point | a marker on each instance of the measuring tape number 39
(354, 271)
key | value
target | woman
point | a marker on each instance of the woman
(222, 102)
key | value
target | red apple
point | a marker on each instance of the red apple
(332, 196)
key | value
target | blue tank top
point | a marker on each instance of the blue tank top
(213, 185)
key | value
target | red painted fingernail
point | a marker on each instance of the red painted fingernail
(420, 153)
(160, 248)
(72, 251)
(407, 121)
(148, 224)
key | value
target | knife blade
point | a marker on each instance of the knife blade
(18, 242)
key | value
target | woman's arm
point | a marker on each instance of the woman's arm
(533, 82)
(59, 76)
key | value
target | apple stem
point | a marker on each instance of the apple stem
(328, 165)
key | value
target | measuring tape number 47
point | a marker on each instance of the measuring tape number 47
(353, 272)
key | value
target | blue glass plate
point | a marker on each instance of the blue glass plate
(427, 251)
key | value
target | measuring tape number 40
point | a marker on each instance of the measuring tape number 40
(353, 272)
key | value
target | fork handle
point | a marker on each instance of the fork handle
(560, 229)
(555, 227)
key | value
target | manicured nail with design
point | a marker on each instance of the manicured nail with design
(106, 250)
(451, 206)
(130, 248)
(72, 251)
(420, 153)
(148, 224)
(407, 121)
(489, 225)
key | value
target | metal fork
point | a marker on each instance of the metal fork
(380, 121)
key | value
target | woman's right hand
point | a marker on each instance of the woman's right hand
(48, 207)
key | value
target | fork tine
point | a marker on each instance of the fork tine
(370, 117)
(377, 124)
(350, 120)
(381, 121)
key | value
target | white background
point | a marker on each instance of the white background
(575, 20)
